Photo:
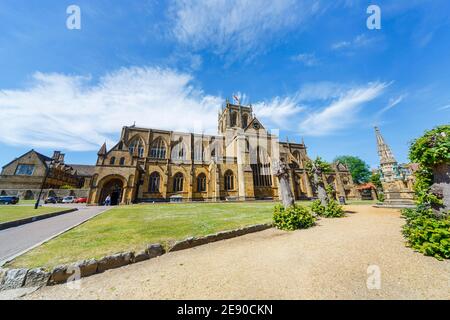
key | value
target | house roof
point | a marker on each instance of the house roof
(366, 186)
(83, 170)
(41, 157)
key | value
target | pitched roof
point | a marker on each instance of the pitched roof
(102, 150)
(83, 170)
(46, 160)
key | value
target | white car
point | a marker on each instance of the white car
(68, 199)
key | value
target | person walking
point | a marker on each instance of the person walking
(108, 200)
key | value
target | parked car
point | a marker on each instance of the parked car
(68, 199)
(9, 200)
(81, 200)
(53, 200)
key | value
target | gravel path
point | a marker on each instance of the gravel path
(329, 261)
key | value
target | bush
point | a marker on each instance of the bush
(427, 234)
(381, 197)
(318, 208)
(334, 210)
(293, 218)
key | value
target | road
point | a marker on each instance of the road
(15, 241)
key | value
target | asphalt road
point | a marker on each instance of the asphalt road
(15, 241)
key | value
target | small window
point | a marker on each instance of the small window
(178, 182)
(112, 161)
(122, 161)
(25, 170)
(233, 119)
(154, 182)
(229, 181)
(244, 121)
(201, 183)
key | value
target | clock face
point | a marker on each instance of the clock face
(256, 126)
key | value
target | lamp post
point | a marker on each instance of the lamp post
(47, 172)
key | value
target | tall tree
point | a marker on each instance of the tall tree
(359, 169)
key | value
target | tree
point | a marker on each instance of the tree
(281, 171)
(432, 153)
(376, 180)
(358, 168)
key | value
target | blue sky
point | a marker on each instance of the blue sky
(310, 68)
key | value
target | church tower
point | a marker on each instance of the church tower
(234, 117)
(388, 164)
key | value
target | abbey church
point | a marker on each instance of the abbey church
(151, 165)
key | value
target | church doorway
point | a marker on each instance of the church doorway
(114, 189)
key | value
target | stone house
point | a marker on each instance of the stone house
(25, 175)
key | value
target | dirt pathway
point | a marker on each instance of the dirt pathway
(329, 261)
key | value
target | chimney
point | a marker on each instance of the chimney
(61, 158)
(56, 155)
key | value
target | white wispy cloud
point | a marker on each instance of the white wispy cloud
(359, 41)
(444, 108)
(340, 113)
(70, 112)
(392, 103)
(281, 112)
(308, 59)
(237, 27)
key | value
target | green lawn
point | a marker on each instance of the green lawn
(134, 227)
(12, 213)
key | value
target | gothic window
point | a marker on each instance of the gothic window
(233, 119)
(122, 161)
(229, 180)
(158, 149)
(137, 145)
(244, 120)
(262, 176)
(201, 182)
(178, 182)
(199, 151)
(154, 182)
(112, 161)
(179, 152)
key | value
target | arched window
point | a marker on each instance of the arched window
(137, 145)
(262, 176)
(244, 120)
(199, 151)
(158, 149)
(122, 161)
(154, 182)
(178, 182)
(233, 119)
(179, 152)
(112, 161)
(201, 182)
(229, 180)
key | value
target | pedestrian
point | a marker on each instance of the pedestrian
(108, 200)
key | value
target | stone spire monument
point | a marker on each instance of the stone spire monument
(397, 184)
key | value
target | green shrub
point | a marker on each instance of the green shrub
(293, 218)
(427, 234)
(334, 210)
(318, 208)
(381, 197)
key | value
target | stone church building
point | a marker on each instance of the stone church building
(151, 165)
